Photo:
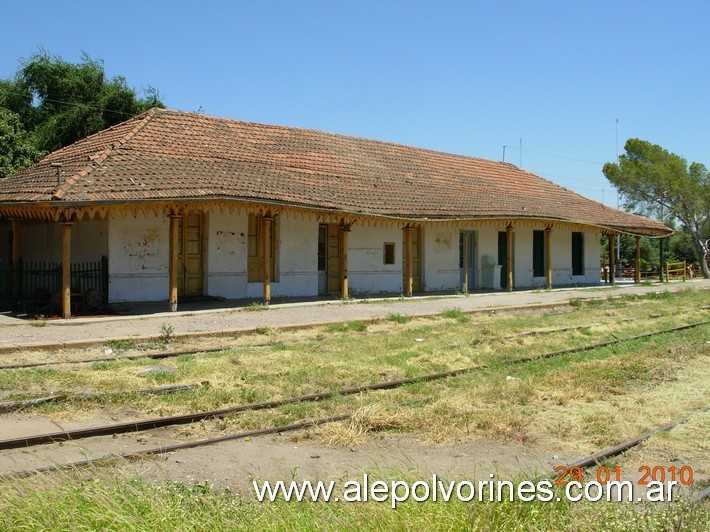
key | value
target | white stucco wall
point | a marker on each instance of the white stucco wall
(297, 260)
(562, 259)
(487, 253)
(592, 260)
(42, 241)
(226, 261)
(441, 258)
(523, 265)
(561, 250)
(367, 272)
(138, 258)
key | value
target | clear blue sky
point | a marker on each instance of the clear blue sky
(459, 76)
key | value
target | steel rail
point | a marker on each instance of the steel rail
(595, 458)
(154, 356)
(11, 406)
(172, 354)
(135, 455)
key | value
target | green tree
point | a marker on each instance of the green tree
(662, 184)
(16, 149)
(58, 103)
(681, 247)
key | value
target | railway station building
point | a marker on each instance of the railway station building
(171, 205)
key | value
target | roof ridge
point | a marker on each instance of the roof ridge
(142, 119)
(332, 134)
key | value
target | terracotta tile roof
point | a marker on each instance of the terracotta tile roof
(164, 154)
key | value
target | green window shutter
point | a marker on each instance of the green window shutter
(539, 253)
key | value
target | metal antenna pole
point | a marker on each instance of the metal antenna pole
(618, 204)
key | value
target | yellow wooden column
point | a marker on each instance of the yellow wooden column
(16, 279)
(343, 231)
(66, 269)
(612, 259)
(266, 223)
(548, 254)
(509, 255)
(637, 268)
(174, 246)
(408, 265)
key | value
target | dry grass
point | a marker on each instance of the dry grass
(365, 421)
(483, 404)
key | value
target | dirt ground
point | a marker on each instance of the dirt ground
(234, 464)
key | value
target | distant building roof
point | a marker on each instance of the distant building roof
(165, 155)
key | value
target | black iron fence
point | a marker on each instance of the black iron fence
(36, 286)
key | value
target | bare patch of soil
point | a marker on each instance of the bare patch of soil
(235, 464)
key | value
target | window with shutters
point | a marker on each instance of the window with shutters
(255, 251)
(577, 253)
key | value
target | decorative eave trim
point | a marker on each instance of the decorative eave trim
(56, 211)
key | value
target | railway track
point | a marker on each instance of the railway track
(174, 354)
(12, 406)
(140, 425)
(135, 426)
(583, 463)
(154, 356)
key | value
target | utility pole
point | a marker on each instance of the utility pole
(618, 205)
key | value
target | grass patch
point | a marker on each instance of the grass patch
(398, 318)
(121, 345)
(124, 502)
(278, 346)
(456, 314)
(163, 377)
(355, 326)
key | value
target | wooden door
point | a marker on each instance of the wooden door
(333, 259)
(322, 259)
(416, 260)
(190, 255)
(467, 256)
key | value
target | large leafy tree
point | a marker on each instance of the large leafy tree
(16, 148)
(57, 102)
(660, 183)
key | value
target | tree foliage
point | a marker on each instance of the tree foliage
(657, 182)
(58, 103)
(16, 148)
